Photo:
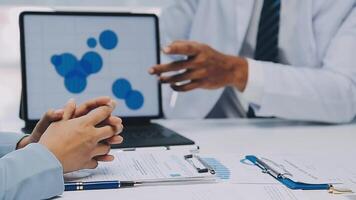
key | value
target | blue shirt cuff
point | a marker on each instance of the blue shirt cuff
(8, 142)
(32, 173)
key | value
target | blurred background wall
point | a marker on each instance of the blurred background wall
(10, 9)
(153, 3)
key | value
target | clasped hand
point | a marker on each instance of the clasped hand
(80, 136)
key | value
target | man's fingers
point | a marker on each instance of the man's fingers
(47, 119)
(101, 149)
(174, 66)
(69, 110)
(92, 164)
(99, 114)
(116, 139)
(187, 75)
(188, 48)
(106, 132)
(187, 87)
(112, 121)
(87, 106)
(104, 158)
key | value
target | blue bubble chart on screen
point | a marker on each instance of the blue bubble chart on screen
(76, 72)
(91, 62)
(108, 39)
(122, 89)
(75, 81)
(64, 63)
(134, 100)
(91, 42)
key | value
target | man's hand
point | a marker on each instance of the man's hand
(49, 117)
(56, 115)
(205, 68)
(80, 143)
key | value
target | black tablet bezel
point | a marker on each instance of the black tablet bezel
(61, 13)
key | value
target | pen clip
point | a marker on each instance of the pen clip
(283, 174)
(265, 167)
(190, 158)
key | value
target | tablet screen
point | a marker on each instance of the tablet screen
(86, 56)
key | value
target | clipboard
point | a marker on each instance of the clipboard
(283, 178)
(194, 159)
(172, 166)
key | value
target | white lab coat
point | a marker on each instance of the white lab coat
(317, 78)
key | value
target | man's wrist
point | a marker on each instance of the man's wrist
(240, 72)
(24, 141)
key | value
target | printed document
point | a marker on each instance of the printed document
(140, 165)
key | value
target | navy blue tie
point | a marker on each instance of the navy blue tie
(267, 36)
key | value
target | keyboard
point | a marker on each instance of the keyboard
(146, 135)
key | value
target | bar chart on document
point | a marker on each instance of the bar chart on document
(221, 171)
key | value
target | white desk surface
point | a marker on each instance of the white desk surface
(220, 136)
(261, 136)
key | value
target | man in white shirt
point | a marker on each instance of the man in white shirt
(291, 59)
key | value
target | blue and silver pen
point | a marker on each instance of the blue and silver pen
(97, 185)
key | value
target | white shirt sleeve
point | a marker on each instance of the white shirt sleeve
(253, 92)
